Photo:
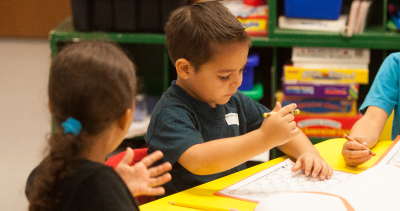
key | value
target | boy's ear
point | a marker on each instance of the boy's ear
(182, 68)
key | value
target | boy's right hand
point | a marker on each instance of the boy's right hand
(356, 152)
(280, 127)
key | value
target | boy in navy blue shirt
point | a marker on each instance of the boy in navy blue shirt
(204, 126)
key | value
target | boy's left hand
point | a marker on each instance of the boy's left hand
(313, 165)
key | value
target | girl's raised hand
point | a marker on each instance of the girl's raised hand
(141, 179)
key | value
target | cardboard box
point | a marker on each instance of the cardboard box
(343, 91)
(320, 106)
(326, 126)
(331, 75)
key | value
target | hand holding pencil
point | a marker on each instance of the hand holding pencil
(355, 151)
(351, 139)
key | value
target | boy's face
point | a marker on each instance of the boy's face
(217, 80)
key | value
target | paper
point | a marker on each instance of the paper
(280, 179)
(301, 201)
(374, 189)
(392, 156)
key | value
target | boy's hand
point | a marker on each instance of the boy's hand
(280, 127)
(356, 152)
(139, 178)
(313, 165)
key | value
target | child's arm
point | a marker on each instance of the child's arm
(219, 155)
(366, 131)
(139, 178)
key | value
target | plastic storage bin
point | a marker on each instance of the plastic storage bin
(313, 9)
(248, 74)
(123, 15)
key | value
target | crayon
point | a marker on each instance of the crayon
(295, 111)
(351, 139)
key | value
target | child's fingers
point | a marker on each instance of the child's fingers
(308, 164)
(285, 110)
(153, 157)
(353, 154)
(324, 173)
(128, 157)
(277, 107)
(160, 169)
(359, 160)
(316, 168)
(297, 166)
(155, 191)
(157, 181)
(352, 145)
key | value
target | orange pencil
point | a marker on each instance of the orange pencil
(351, 139)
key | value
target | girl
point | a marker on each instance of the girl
(91, 98)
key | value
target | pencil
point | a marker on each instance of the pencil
(351, 139)
(200, 206)
(295, 111)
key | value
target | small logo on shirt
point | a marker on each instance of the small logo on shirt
(232, 119)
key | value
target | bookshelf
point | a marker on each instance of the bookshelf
(155, 71)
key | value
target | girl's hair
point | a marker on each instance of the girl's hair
(93, 82)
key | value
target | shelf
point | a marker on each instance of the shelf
(66, 32)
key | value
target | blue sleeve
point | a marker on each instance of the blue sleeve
(174, 132)
(384, 92)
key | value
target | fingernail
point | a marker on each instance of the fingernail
(307, 173)
(322, 177)
(314, 174)
(365, 143)
(328, 177)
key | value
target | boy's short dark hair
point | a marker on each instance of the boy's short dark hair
(193, 31)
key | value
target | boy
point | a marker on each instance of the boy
(382, 98)
(203, 125)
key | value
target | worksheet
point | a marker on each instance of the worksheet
(392, 155)
(280, 179)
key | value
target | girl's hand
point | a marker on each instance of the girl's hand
(356, 152)
(139, 178)
(314, 165)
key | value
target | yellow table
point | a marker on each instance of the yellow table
(330, 150)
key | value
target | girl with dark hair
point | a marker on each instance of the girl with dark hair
(91, 98)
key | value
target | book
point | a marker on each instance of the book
(324, 57)
(313, 24)
(352, 18)
(328, 75)
(374, 189)
(361, 20)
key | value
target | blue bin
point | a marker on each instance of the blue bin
(313, 9)
(248, 74)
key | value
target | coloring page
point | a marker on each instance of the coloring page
(392, 158)
(280, 179)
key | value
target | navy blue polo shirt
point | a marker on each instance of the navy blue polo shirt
(180, 121)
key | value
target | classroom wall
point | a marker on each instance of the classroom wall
(27, 18)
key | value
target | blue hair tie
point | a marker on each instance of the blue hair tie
(72, 126)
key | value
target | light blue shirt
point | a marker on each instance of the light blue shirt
(384, 92)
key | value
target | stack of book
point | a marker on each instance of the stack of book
(324, 83)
